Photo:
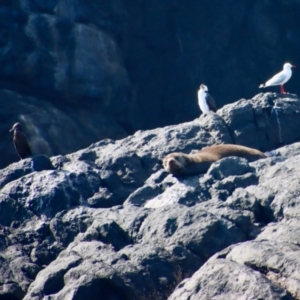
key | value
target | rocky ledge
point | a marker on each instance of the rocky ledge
(108, 222)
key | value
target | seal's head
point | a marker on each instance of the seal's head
(175, 163)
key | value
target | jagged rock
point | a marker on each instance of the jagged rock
(12, 212)
(261, 122)
(182, 192)
(103, 198)
(286, 231)
(135, 272)
(280, 183)
(171, 225)
(243, 200)
(15, 171)
(24, 167)
(229, 166)
(279, 262)
(17, 272)
(41, 163)
(47, 193)
(224, 279)
(143, 194)
(108, 218)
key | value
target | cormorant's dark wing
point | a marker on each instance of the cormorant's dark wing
(211, 102)
(22, 145)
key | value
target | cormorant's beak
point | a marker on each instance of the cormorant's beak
(11, 130)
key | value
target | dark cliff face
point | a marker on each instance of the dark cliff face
(138, 65)
(174, 46)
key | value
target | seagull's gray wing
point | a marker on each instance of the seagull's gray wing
(277, 79)
(211, 102)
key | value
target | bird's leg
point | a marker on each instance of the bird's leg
(282, 91)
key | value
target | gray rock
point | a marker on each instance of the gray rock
(12, 212)
(17, 272)
(135, 272)
(186, 191)
(15, 171)
(286, 231)
(41, 163)
(281, 183)
(229, 166)
(51, 279)
(108, 232)
(277, 261)
(103, 199)
(222, 279)
(140, 196)
(214, 227)
(288, 151)
(270, 113)
(224, 188)
(109, 219)
(24, 167)
(241, 199)
(46, 193)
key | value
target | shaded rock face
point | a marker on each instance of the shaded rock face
(49, 129)
(116, 67)
(108, 220)
(62, 73)
(60, 56)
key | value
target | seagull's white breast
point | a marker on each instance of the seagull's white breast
(202, 101)
(280, 78)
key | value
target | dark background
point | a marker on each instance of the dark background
(109, 68)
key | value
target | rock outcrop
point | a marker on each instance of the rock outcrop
(108, 221)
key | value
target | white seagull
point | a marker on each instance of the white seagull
(205, 101)
(281, 78)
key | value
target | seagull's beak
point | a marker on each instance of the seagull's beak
(293, 66)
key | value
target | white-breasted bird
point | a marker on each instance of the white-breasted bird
(205, 101)
(280, 78)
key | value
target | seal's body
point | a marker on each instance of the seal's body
(20, 141)
(196, 163)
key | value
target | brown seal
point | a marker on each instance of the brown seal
(196, 163)
(20, 141)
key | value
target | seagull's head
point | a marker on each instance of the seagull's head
(288, 66)
(203, 87)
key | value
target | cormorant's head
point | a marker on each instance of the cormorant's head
(203, 87)
(17, 126)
